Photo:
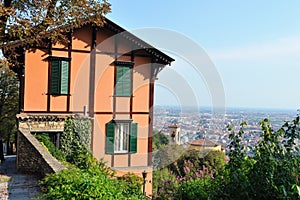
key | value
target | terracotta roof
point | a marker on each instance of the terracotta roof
(204, 142)
(174, 126)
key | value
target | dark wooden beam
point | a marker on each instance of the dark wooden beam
(150, 120)
(21, 77)
(70, 67)
(92, 83)
(131, 100)
(49, 77)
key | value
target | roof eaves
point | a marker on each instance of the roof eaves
(139, 42)
(117, 29)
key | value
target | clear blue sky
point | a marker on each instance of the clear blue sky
(255, 45)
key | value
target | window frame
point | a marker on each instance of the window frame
(59, 85)
(112, 129)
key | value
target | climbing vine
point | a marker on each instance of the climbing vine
(76, 137)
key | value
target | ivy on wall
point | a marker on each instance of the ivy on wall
(76, 137)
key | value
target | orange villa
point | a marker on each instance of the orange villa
(105, 73)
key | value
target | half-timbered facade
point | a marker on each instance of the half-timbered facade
(105, 73)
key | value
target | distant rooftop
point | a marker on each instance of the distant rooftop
(174, 126)
(204, 142)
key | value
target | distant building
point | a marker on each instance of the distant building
(205, 145)
(174, 131)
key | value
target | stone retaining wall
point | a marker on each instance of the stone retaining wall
(32, 157)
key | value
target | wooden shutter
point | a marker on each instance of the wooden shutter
(55, 77)
(123, 84)
(110, 137)
(64, 84)
(119, 84)
(133, 138)
(126, 81)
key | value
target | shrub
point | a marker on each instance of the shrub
(193, 184)
(132, 184)
(212, 160)
(95, 182)
(44, 139)
(86, 178)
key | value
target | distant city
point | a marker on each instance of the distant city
(200, 122)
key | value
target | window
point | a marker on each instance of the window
(121, 137)
(59, 76)
(123, 80)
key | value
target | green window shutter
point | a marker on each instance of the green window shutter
(110, 137)
(127, 81)
(133, 138)
(123, 81)
(119, 84)
(64, 84)
(55, 77)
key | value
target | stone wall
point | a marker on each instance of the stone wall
(32, 157)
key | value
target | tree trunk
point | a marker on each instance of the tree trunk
(1, 151)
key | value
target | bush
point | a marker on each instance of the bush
(44, 139)
(212, 160)
(193, 184)
(132, 184)
(95, 182)
(86, 178)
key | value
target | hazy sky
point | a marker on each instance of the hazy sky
(254, 45)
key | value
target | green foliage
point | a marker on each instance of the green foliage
(159, 140)
(44, 139)
(194, 189)
(212, 160)
(270, 171)
(95, 182)
(9, 101)
(87, 178)
(194, 184)
(76, 139)
(132, 184)
(276, 162)
(167, 155)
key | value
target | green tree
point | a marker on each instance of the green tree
(277, 161)
(270, 172)
(8, 106)
(167, 155)
(159, 140)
